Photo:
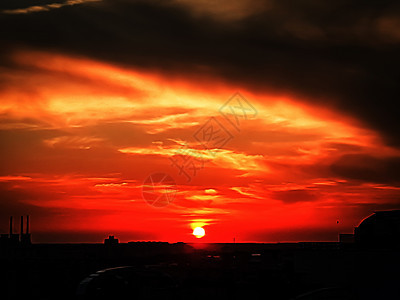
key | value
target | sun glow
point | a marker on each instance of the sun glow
(199, 232)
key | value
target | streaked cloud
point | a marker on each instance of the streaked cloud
(229, 11)
(46, 7)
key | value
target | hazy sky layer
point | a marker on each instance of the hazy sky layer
(95, 96)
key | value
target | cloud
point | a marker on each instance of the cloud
(45, 7)
(14, 178)
(346, 63)
(229, 11)
(295, 195)
(368, 168)
(210, 191)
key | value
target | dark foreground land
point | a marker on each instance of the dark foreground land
(213, 271)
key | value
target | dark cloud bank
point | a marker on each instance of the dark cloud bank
(343, 54)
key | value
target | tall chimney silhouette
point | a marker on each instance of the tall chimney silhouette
(11, 224)
(27, 224)
(22, 226)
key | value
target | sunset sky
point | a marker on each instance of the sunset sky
(97, 95)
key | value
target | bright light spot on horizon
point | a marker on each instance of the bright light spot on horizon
(199, 232)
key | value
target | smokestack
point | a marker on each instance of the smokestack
(22, 225)
(27, 224)
(11, 224)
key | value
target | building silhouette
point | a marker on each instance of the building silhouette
(15, 239)
(381, 229)
(111, 240)
(346, 238)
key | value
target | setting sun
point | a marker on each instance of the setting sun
(199, 232)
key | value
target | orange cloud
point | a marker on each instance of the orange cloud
(80, 137)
